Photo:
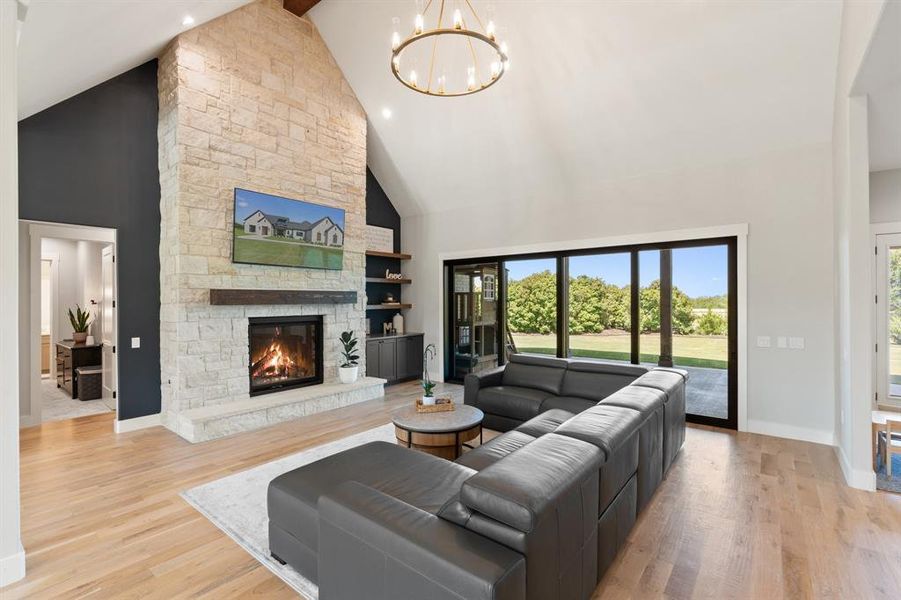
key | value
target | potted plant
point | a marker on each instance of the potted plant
(427, 384)
(349, 369)
(80, 320)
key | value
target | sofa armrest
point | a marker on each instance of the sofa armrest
(473, 382)
(372, 545)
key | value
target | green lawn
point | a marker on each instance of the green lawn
(287, 254)
(688, 350)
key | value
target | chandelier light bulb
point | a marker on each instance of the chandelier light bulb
(441, 81)
(417, 27)
(413, 80)
(504, 48)
(471, 78)
(395, 41)
(458, 19)
(489, 30)
(495, 69)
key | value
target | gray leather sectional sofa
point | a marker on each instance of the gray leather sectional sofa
(538, 512)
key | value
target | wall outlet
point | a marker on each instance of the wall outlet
(796, 343)
(135, 342)
(781, 342)
(763, 341)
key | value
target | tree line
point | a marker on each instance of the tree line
(595, 306)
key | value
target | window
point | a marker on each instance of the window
(334, 238)
(252, 228)
(600, 306)
(300, 234)
(319, 236)
(264, 230)
(532, 304)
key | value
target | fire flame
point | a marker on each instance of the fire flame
(275, 362)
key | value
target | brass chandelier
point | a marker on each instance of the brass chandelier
(480, 49)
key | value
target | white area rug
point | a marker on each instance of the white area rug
(237, 504)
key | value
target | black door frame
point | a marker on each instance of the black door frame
(562, 267)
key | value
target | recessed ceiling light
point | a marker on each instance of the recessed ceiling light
(386, 112)
(187, 21)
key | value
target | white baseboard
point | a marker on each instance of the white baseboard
(27, 421)
(856, 478)
(791, 432)
(127, 425)
(12, 567)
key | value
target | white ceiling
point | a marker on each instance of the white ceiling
(66, 47)
(597, 91)
(880, 78)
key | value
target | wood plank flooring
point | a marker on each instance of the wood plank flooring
(740, 516)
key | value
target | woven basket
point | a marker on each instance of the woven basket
(441, 405)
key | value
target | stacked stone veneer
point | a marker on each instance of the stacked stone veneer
(254, 100)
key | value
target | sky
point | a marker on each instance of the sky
(247, 202)
(696, 271)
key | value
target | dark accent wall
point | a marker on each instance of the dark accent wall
(381, 213)
(92, 160)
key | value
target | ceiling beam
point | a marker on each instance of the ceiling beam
(300, 7)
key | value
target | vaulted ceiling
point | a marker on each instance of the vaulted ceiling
(66, 47)
(597, 91)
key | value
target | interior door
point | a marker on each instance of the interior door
(108, 324)
(888, 318)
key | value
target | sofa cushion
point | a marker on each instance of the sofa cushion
(536, 372)
(519, 490)
(490, 452)
(597, 380)
(665, 380)
(516, 402)
(645, 400)
(547, 422)
(605, 426)
(417, 478)
(569, 404)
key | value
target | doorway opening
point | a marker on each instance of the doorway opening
(70, 333)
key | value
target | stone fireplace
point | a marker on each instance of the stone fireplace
(284, 353)
(254, 100)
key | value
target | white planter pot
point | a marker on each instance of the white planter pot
(428, 400)
(348, 374)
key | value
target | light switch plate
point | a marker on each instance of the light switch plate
(781, 342)
(135, 342)
(763, 341)
(796, 343)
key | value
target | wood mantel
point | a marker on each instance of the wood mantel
(246, 297)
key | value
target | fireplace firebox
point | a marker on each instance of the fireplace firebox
(285, 353)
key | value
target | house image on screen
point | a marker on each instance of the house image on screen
(324, 231)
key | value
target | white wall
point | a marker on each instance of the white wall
(885, 196)
(785, 198)
(12, 555)
(853, 254)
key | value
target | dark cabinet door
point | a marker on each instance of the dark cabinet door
(372, 358)
(387, 359)
(414, 356)
(401, 358)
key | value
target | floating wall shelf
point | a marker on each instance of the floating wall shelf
(397, 255)
(385, 280)
(387, 306)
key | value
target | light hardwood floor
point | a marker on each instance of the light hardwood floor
(740, 516)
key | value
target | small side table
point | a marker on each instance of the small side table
(442, 434)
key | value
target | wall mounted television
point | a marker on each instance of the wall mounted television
(278, 231)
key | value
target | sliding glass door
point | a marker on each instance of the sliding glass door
(668, 305)
(888, 319)
(474, 318)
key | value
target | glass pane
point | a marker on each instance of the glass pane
(474, 319)
(532, 305)
(649, 306)
(894, 321)
(700, 310)
(600, 306)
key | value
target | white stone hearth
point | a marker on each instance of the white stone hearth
(215, 421)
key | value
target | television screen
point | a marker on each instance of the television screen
(271, 230)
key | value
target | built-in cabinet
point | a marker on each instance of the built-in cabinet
(394, 357)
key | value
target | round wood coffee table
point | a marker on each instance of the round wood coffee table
(440, 433)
